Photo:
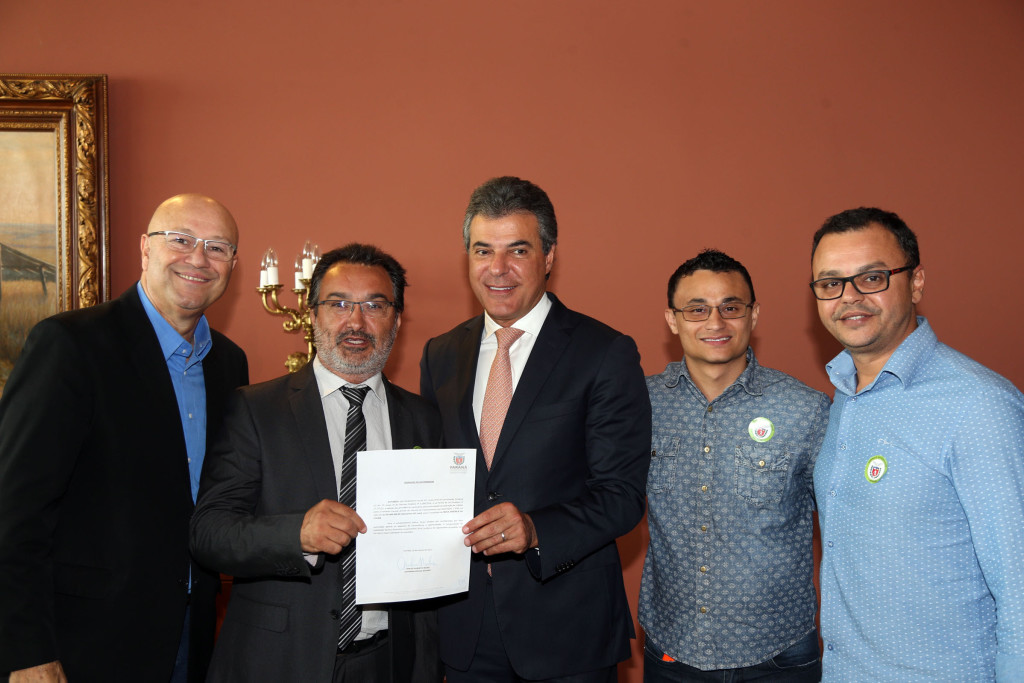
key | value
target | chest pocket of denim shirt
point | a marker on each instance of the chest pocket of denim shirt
(761, 473)
(661, 477)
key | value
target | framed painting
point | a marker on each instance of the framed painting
(54, 229)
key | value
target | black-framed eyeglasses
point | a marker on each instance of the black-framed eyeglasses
(342, 308)
(868, 282)
(216, 250)
(729, 310)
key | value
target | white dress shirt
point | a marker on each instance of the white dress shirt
(378, 437)
(518, 353)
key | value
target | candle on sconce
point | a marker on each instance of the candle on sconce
(270, 259)
(263, 271)
(307, 260)
(298, 272)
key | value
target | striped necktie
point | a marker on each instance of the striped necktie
(355, 441)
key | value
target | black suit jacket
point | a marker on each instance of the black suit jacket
(272, 463)
(95, 499)
(573, 454)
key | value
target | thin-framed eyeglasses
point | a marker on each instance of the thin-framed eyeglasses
(730, 310)
(342, 308)
(868, 282)
(216, 250)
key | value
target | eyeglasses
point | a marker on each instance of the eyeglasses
(183, 242)
(340, 308)
(868, 282)
(730, 310)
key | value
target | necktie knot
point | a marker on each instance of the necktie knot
(507, 336)
(355, 395)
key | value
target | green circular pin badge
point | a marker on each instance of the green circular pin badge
(761, 429)
(875, 469)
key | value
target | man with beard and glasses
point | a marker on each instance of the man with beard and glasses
(270, 512)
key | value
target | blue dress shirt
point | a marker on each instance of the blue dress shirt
(920, 491)
(186, 369)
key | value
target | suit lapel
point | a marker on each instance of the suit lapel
(147, 360)
(308, 410)
(465, 372)
(401, 420)
(546, 354)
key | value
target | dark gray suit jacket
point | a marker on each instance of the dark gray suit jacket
(573, 453)
(95, 499)
(272, 463)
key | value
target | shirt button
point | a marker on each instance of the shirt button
(703, 570)
(829, 646)
(710, 409)
(703, 610)
(842, 446)
(707, 449)
(760, 463)
(830, 544)
(704, 488)
(653, 452)
(832, 493)
(704, 527)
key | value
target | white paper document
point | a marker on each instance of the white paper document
(414, 503)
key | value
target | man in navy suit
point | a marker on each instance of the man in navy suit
(560, 474)
(103, 430)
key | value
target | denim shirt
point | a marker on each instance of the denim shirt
(920, 489)
(727, 582)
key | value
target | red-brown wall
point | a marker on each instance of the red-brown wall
(658, 127)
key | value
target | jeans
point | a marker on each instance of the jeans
(799, 663)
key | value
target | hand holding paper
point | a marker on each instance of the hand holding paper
(328, 527)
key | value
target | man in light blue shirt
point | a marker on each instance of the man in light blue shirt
(920, 481)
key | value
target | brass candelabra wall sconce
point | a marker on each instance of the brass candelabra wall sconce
(296, 319)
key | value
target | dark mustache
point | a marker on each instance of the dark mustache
(355, 333)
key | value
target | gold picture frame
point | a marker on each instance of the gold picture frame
(53, 130)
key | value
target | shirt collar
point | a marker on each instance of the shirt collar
(530, 323)
(749, 379)
(327, 382)
(171, 342)
(902, 364)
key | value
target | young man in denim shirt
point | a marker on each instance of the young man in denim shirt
(727, 592)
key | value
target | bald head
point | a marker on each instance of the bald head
(191, 208)
(183, 283)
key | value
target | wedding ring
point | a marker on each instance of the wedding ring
(502, 535)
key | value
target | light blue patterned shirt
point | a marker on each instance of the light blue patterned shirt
(727, 582)
(920, 490)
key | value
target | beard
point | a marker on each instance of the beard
(334, 357)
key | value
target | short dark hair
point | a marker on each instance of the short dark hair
(713, 260)
(363, 255)
(858, 219)
(507, 195)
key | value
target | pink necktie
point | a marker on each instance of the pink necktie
(498, 394)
